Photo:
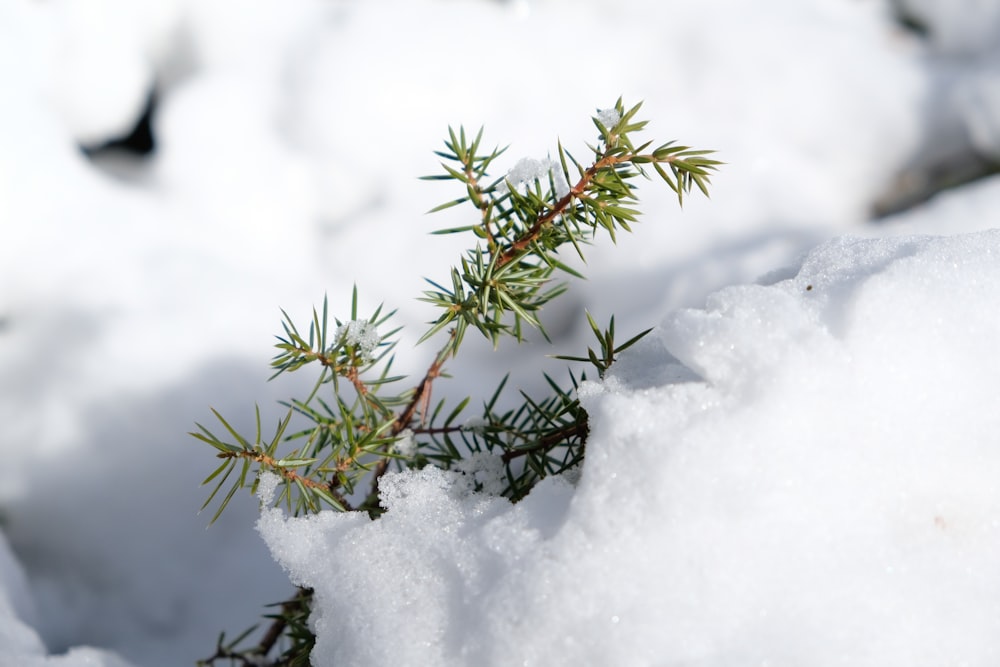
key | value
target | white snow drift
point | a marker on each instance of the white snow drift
(823, 492)
(798, 472)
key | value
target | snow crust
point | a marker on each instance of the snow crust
(823, 493)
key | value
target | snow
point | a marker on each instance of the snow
(963, 27)
(267, 487)
(483, 471)
(824, 492)
(794, 468)
(360, 334)
(21, 645)
(406, 445)
(608, 117)
(528, 170)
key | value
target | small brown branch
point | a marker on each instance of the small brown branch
(253, 656)
(354, 378)
(271, 462)
(475, 194)
(222, 653)
(322, 358)
(580, 429)
(289, 475)
(423, 389)
(421, 398)
(277, 628)
(349, 371)
(521, 243)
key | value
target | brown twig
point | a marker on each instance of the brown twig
(420, 399)
(475, 194)
(423, 389)
(252, 657)
(277, 628)
(520, 244)
(290, 475)
(578, 429)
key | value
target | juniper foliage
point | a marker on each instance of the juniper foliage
(355, 422)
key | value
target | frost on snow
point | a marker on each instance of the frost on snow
(818, 487)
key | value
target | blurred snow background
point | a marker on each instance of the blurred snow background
(286, 138)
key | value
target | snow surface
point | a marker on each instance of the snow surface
(795, 468)
(824, 493)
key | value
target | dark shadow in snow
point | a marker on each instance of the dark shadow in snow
(126, 158)
(111, 539)
(947, 157)
(649, 364)
(138, 142)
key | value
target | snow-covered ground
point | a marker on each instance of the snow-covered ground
(797, 467)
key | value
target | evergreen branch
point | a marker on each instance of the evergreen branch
(296, 606)
(357, 426)
(420, 400)
(579, 429)
(294, 612)
(421, 394)
(523, 243)
(283, 468)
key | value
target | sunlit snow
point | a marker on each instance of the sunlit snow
(823, 493)
(797, 467)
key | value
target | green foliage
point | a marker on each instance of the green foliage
(354, 424)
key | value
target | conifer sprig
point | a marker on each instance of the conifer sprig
(524, 231)
(331, 448)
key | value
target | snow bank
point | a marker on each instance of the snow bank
(802, 472)
(288, 139)
(20, 645)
